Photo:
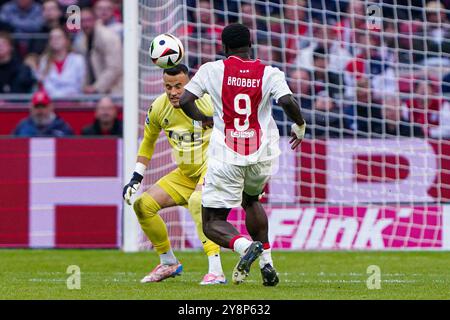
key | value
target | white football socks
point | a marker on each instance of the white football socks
(168, 258)
(241, 244)
(215, 265)
(265, 258)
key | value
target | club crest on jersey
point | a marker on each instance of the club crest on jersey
(166, 122)
(147, 119)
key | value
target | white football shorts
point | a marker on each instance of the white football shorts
(224, 182)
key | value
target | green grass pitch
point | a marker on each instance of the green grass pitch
(110, 274)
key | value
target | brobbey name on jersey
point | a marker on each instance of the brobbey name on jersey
(243, 82)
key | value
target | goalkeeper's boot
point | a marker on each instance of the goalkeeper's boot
(163, 271)
(211, 278)
(242, 269)
(269, 276)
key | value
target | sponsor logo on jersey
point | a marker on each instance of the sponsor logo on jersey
(243, 134)
(187, 137)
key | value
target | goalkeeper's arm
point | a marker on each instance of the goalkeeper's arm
(292, 110)
(133, 186)
(151, 133)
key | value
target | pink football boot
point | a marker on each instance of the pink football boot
(163, 271)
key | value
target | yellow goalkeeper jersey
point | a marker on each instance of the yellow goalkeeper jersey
(189, 141)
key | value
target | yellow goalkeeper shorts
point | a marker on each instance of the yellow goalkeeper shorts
(178, 186)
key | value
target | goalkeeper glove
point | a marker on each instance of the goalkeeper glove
(132, 187)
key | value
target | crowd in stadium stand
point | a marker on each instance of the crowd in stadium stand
(40, 52)
(354, 77)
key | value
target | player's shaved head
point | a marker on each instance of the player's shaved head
(236, 38)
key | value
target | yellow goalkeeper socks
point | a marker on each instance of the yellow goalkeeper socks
(146, 209)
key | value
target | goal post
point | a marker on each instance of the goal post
(130, 232)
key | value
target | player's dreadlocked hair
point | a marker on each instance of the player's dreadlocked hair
(236, 35)
(179, 68)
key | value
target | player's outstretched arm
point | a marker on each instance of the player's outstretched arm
(292, 110)
(187, 104)
(133, 186)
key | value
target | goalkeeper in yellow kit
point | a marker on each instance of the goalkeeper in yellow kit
(182, 186)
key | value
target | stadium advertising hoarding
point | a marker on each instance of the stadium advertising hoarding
(60, 193)
(361, 227)
(347, 194)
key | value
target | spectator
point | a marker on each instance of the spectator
(429, 110)
(206, 52)
(247, 15)
(251, 16)
(437, 26)
(301, 85)
(207, 19)
(42, 122)
(106, 120)
(104, 11)
(427, 40)
(207, 25)
(373, 61)
(15, 77)
(395, 123)
(324, 36)
(53, 15)
(410, 42)
(81, 3)
(365, 112)
(265, 53)
(323, 78)
(118, 9)
(326, 119)
(353, 22)
(23, 15)
(390, 35)
(62, 71)
(293, 29)
(102, 50)
(442, 129)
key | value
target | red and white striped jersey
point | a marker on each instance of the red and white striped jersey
(241, 90)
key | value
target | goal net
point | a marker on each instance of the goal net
(373, 81)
